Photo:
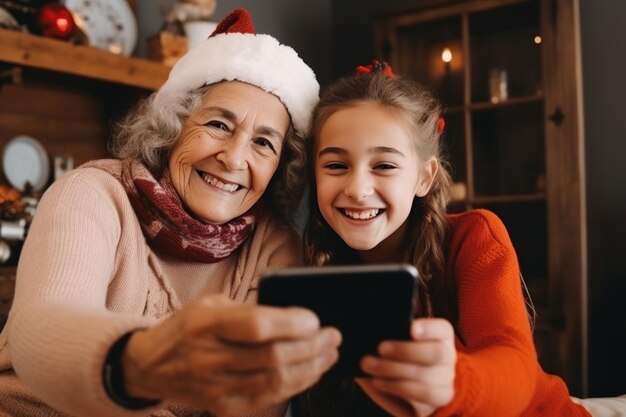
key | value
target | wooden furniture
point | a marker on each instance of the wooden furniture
(7, 286)
(513, 138)
(67, 97)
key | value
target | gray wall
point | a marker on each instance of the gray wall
(603, 33)
(353, 34)
(603, 36)
(304, 25)
(334, 36)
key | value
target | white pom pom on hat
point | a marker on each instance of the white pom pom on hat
(235, 52)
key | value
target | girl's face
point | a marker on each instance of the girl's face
(228, 151)
(368, 172)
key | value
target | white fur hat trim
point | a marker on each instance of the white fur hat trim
(255, 59)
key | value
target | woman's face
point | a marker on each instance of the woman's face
(228, 151)
(367, 174)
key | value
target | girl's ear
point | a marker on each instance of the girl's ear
(428, 174)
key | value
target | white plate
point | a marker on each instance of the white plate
(25, 161)
(109, 24)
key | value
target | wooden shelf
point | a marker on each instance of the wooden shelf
(490, 106)
(54, 55)
(504, 199)
(501, 199)
(7, 287)
(512, 159)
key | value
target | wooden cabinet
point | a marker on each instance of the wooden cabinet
(7, 286)
(508, 74)
(67, 97)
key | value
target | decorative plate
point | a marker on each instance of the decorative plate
(109, 24)
(25, 161)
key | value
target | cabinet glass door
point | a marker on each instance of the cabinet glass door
(505, 53)
(500, 67)
(432, 53)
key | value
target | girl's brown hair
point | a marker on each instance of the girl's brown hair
(427, 224)
(427, 233)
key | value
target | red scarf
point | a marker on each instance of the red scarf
(165, 223)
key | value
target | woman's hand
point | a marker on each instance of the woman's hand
(229, 358)
(413, 378)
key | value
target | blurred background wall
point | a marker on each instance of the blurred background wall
(305, 25)
(335, 35)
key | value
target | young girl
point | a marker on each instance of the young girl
(379, 195)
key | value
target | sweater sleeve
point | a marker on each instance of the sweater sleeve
(496, 361)
(286, 248)
(60, 328)
(275, 245)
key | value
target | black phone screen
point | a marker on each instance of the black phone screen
(367, 303)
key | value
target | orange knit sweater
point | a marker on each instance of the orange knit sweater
(497, 372)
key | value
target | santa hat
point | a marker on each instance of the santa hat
(235, 52)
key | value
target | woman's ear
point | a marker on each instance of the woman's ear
(427, 176)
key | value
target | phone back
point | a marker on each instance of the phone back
(368, 304)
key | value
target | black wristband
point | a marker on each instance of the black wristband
(113, 378)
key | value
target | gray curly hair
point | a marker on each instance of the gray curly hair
(149, 131)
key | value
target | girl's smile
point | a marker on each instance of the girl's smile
(361, 214)
(367, 174)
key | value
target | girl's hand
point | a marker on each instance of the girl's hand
(413, 378)
(229, 358)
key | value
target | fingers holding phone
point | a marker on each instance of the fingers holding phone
(366, 303)
(416, 375)
(220, 355)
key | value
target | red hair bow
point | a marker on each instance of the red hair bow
(376, 66)
(441, 124)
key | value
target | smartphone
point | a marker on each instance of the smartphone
(366, 303)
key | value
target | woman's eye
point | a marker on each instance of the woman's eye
(265, 143)
(218, 125)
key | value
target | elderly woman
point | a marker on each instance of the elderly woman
(135, 287)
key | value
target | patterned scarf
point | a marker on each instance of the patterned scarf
(168, 228)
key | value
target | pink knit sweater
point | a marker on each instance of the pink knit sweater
(86, 276)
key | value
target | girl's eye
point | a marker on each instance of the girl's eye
(265, 143)
(334, 165)
(218, 125)
(385, 166)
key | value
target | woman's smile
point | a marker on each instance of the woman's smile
(228, 151)
(219, 183)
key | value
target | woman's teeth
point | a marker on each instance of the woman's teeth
(362, 215)
(219, 184)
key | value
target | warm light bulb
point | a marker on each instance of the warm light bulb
(537, 39)
(446, 55)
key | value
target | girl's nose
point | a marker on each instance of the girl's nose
(234, 154)
(359, 187)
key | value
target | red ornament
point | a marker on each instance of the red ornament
(55, 21)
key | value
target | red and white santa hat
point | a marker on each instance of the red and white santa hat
(235, 52)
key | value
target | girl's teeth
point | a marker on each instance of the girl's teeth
(219, 184)
(362, 215)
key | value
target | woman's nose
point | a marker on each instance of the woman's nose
(359, 187)
(234, 154)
